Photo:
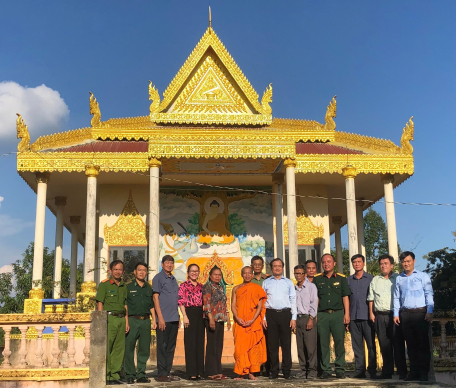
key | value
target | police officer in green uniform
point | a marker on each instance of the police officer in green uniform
(333, 315)
(140, 309)
(111, 297)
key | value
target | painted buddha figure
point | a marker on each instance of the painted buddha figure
(214, 226)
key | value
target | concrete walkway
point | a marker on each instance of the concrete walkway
(281, 382)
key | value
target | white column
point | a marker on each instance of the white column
(42, 179)
(337, 221)
(60, 202)
(388, 180)
(75, 221)
(349, 174)
(154, 216)
(91, 221)
(290, 165)
(360, 221)
(277, 189)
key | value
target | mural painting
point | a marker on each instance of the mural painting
(195, 225)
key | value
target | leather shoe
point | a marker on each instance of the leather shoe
(402, 376)
(163, 379)
(273, 377)
(384, 377)
(174, 378)
(412, 377)
(142, 380)
(326, 375)
(424, 378)
(359, 375)
(340, 375)
(115, 382)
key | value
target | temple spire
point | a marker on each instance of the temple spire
(210, 18)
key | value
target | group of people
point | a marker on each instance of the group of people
(266, 310)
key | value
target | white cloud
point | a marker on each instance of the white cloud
(42, 109)
(6, 268)
(10, 226)
(1, 200)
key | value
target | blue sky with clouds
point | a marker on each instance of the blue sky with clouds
(386, 61)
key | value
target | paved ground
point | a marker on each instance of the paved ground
(291, 383)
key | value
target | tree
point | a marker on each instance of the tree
(15, 285)
(345, 261)
(237, 224)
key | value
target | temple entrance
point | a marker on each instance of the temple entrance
(130, 255)
(305, 252)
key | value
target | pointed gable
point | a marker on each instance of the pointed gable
(211, 89)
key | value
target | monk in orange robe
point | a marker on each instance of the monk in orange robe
(248, 309)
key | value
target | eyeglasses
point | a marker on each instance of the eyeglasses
(299, 273)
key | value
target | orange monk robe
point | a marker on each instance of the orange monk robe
(249, 342)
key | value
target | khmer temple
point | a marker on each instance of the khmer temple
(210, 176)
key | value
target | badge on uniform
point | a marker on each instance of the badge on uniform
(111, 291)
(336, 284)
(133, 291)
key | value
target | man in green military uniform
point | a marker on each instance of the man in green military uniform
(140, 309)
(111, 297)
(333, 315)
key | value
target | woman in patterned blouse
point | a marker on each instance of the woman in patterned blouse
(191, 306)
(214, 304)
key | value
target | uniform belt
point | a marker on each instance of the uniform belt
(141, 317)
(279, 311)
(384, 312)
(330, 311)
(417, 310)
(118, 315)
(303, 315)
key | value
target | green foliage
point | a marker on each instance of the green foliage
(237, 226)
(15, 286)
(345, 261)
(193, 224)
(441, 268)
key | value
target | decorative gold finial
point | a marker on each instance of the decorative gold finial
(23, 134)
(407, 136)
(330, 124)
(210, 18)
(266, 99)
(95, 111)
(154, 96)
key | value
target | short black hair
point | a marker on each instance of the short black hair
(276, 259)
(327, 254)
(256, 258)
(386, 256)
(167, 258)
(299, 266)
(141, 263)
(115, 262)
(358, 256)
(310, 261)
(404, 254)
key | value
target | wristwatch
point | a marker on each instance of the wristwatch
(311, 317)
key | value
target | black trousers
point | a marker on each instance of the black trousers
(391, 343)
(279, 334)
(306, 341)
(194, 342)
(416, 333)
(166, 344)
(363, 330)
(214, 348)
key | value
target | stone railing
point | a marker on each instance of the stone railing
(48, 346)
(445, 346)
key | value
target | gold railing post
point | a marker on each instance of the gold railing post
(6, 351)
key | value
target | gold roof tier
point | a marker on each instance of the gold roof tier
(210, 89)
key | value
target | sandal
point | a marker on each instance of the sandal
(223, 377)
(193, 378)
(216, 377)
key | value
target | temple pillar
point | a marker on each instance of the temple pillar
(360, 222)
(75, 221)
(277, 190)
(337, 221)
(89, 285)
(154, 217)
(60, 202)
(290, 165)
(388, 180)
(349, 174)
(42, 180)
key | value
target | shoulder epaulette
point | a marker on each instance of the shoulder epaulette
(104, 281)
(341, 274)
(318, 274)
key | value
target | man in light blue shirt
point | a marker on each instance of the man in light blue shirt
(280, 319)
(413, 308)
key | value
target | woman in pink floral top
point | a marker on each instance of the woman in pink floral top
(191, 305)
(214, 302)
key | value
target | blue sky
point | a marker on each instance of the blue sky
(386, 61)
